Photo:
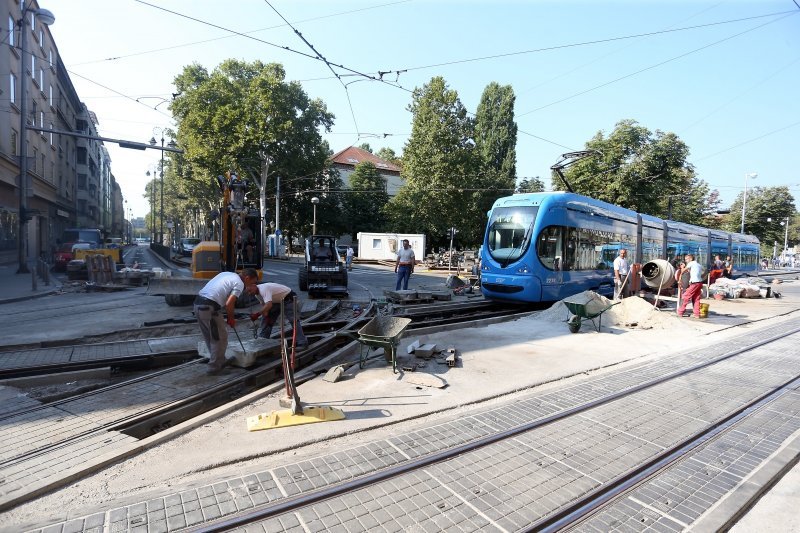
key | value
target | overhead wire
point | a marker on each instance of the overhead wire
(585, 43)
(321, 57)
(183, 45)
(656, 65)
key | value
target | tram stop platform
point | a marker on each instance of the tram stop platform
(498, 364)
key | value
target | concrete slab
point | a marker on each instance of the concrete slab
(253, 349)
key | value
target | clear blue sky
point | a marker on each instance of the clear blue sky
(728, 86)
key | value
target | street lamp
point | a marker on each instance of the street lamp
(171, 145)
(752, 175)
(314, 201)
(46, 18)
(152, 206)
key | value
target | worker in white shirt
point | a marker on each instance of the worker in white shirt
(404, 265)
(220, 292)
(271, 295)
(621, 271)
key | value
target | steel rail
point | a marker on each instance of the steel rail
(594, 501)
(296, 502)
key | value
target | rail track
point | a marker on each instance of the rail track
(497, 471)
(115, 418)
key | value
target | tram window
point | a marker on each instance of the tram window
(549, 248)
(509, 232)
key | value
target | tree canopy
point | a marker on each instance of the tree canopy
(766, 208)
(644, 171)
(245, 117)
(455, 166)
(363, 204)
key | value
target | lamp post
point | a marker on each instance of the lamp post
(171, 144)
(785, 223)
(46, 18)
(314, 201)
(752, 175)
(152, 206)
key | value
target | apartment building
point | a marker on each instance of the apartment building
(69, 182)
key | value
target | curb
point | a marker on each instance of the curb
(28, 297)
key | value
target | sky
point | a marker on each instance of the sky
(722, 75)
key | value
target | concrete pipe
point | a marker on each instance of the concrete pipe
(658, 274)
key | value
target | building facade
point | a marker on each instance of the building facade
(69, 182)
(345, 162)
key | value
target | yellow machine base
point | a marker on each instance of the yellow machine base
(284, 417)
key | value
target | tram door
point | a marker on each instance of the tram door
(550, 248)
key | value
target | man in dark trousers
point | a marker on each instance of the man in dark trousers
(221, 291)
(404, 265)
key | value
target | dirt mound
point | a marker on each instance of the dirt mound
(632, 312)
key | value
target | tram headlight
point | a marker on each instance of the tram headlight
(523, 269)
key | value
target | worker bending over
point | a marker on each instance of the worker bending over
(221, 291)
(271, 295)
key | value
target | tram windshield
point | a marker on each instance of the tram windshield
(509, 232)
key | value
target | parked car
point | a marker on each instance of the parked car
(62, 256)
(187, 246)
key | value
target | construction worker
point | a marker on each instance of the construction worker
(220, 292)
(271, 295)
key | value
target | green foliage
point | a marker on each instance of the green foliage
(455, 167)
(363, 203)
(242, 115)
(496, 133)
(766, 208)
(366, 147)
(387, 154)
(644, 171)
(439, 168)
(530, 185)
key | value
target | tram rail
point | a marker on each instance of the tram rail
(148, 419)
(565, 516)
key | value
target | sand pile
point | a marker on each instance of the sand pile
(633, 312)
(558, 312)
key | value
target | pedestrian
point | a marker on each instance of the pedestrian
(694, 292)
(621, 271)
(220, 292)
(271, 295)
(404, 266)
(719, 264)
(349, 257)
(728, 267)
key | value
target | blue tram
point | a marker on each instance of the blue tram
(547, 246)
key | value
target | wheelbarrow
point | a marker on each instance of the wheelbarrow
(382, 332)
(583, 310)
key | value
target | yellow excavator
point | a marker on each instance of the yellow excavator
(239, 229)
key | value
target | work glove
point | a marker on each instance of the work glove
(255, 316)
(231, 321)
(617, 282)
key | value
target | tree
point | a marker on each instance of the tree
(496, 133)
(363, 203)
(530, 185)
(439, 168)
(495, 147)
(245, 117)
(387, 154)
(366, 147)
(766, 208)
(643, 171)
